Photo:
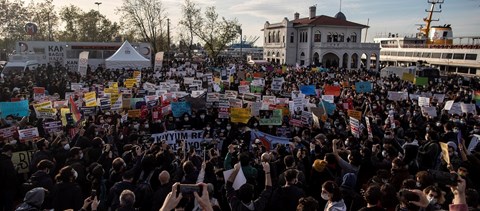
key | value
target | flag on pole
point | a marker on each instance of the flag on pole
(74, 110)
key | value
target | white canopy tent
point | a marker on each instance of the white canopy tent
(126, 57)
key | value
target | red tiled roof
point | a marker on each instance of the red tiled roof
(324, 20)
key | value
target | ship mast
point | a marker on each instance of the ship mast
(428, 20)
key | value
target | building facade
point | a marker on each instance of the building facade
(319, 40)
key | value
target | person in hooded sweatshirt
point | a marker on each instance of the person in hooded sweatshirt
(33, 200)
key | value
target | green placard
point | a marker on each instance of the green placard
(421, 81)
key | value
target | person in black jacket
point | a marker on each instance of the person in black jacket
(8, 181)
(119, 187)
(287, 196)
(43, 153)
(42, 178)
(67, 193)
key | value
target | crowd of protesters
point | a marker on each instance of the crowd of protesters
(111, 164)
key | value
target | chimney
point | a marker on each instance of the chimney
(296, 15)
(313, 11)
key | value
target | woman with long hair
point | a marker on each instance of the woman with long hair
(331, 193)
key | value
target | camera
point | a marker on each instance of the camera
(189, 189)
(444, 178)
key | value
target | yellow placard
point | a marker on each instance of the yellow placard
(114, 98)
(217, 80)
(130, 82)
(240, 115)
(90, 99)
(355, 114)
(136, 73)
(115, 85)
(64, 112)
(284, 69)
(46, 104)
(111, 90)
(136, 113)
(445, 154)
(408, 77)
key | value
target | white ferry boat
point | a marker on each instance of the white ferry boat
(434, 45)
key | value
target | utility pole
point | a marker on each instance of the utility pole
(98, 6)
(168, 39)
(97, 26)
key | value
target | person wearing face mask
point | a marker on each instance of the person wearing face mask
(331, 194)
(435, 198)
(77, 162)
(186, 122)
(450, 133)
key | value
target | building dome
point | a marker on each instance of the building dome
(341, 16)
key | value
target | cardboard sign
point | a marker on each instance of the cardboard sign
(423, 101)
(408, 77)
(269, 117)
(22, 160)
(28, 134)
(332, 90)
(130, 82)
(355, 114)
(135, 113)
(8, 132)
(240, 115)
(90, 99)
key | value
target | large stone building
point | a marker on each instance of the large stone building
(319, 40)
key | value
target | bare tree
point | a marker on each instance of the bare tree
(148, 17)
(215, 33)
(192, 20)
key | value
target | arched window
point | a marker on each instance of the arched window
(302, 54)
(329, 37)
(335, 37)
(278, 36)
(341, 37)
(317, 37)
(292, 36)
(269, 37)
(353, 37)
(268, 53)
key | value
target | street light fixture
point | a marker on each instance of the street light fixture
(98, 5)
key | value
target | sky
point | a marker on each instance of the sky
(399, 16)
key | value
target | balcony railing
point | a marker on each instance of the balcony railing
(347, 45)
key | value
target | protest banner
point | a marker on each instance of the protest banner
(60, 104)
(456, 108)
(47, 113)
(134, 113)
(75, 87)
(363, 87)
(468, 108)
(88, 111)
(270, 142)
(180, 108)
(38, 93)
(16, 109)
(423, 101)
(52, 127)
(355, 127)
(83, 63)
(28, 134)
(243, 89)
(231, 94)
(90, 99)
(439, 97)
(240, 115)
(421, 81)
(397, 96)
(306, 118)
(277, 84)
(8, 132)
(192, 138)
(369, 128)
(105, 104)
(22, 160)
(328, 98)
(269, 117)
(256, 89)
(332, 90)
(308, 90)
(430, 111)
(408, 77)
(223, 107)
(235, 103)
(63, 114)
(130, 82)
(158, 61)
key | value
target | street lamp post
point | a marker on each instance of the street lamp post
(98, 5)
